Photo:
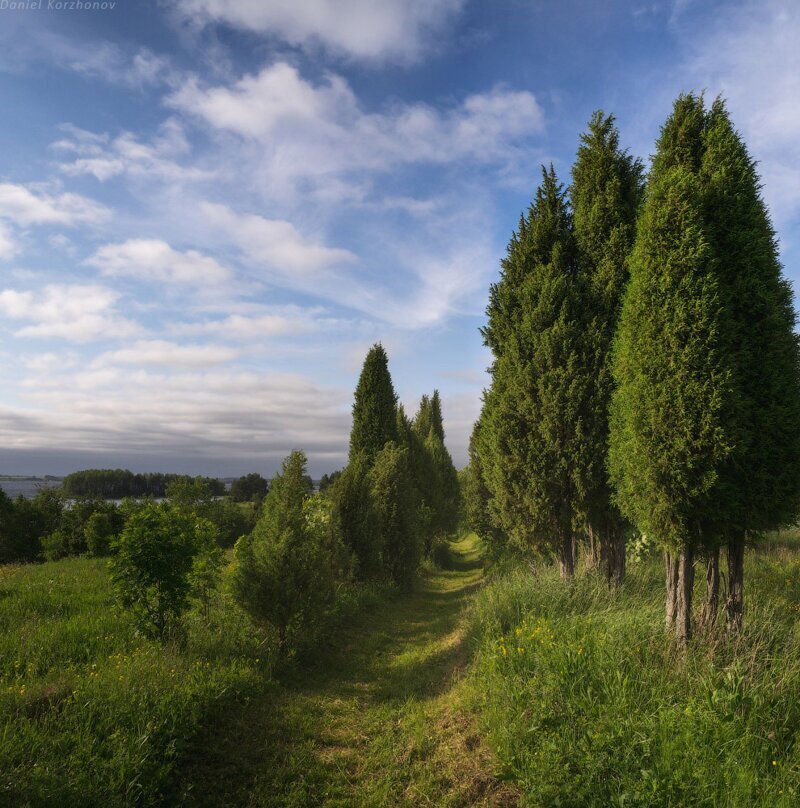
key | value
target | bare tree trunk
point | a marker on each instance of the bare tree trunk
(566, 555)
(708, 618)
(671, 563)
(683, 619)
(593, 559)
(616, 556)
(734, 603)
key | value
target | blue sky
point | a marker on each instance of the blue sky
(209, 209)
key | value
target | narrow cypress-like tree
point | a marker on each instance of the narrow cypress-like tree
(396, 505)
(374, 407)
(530, 443)
(760, 483)
(606, 191)
(671, 424)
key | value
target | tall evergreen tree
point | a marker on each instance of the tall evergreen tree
(530, 443)
(605, 193)
(760, 483)
(397, 508)
(671, 424)
(374, 407)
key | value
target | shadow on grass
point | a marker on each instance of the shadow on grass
(301, 740)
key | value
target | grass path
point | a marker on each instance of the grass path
(380, 722)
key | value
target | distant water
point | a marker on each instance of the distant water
(28, 488)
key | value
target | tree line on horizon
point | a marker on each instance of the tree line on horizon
(646, 371)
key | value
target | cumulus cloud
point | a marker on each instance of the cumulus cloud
(364, 29)
(155, 260)
(73, 312)
(24, 206)
(313, 134)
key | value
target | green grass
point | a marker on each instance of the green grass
(370, 712)
(587, 702)
(378, 721)
(90, 713)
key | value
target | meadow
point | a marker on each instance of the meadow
(90, 711)
(502, 687)
(588, 701)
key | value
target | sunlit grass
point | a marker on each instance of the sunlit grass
(589, 703)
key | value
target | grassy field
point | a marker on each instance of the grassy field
(511, 689)
(587, 702)
(91, 714)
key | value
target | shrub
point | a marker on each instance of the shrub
(154, 557)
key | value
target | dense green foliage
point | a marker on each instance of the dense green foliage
(530, 442)
(283, 573)
(91, 711)
(374, 420)
(605, 194)
(396, 504)
(152, 561)
(249, 488)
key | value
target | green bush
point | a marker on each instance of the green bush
(153, 561)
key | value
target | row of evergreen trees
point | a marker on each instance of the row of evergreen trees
(646, 371)
(373, 521)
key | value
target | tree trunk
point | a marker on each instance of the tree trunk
(734, 603)
(683, 618)
(593, 559)
(566, 555)
(671, 563)
(708, 619)
(615, 556)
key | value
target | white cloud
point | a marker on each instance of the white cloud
(366, 29)
(155, 260)
(74, 312)
(104, 157)
(168, 354)
(23, 206)
(248, 327)
(8, 246)
(272, 242)
(750, 54)
(217, 415)
(307, 134)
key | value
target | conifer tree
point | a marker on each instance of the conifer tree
(477, 496)
(354, 514)
(374, 407)
(605, 193)
(671, 424)
(396, 506)
(530, 443)
(283, 569)
(760, 483)
(439, 478)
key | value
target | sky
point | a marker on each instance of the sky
(210, 209)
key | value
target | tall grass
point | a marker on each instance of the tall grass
(91, 713)
(588, 702)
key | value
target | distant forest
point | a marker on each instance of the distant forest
(119, 483)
